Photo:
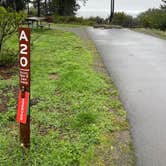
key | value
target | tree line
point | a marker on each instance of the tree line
(152, 18)
(45, 7)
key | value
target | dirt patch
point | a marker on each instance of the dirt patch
(99, 66)
(3, 107)
(119, 153)
(8, 72)
(44, 130)
(34, 101)
(4, 99)
(53, 76)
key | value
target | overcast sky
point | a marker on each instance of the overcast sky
(101, 7)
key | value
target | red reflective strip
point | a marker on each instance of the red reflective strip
(22, 111)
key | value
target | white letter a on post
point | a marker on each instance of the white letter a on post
(23, 36)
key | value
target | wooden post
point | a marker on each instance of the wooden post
(23, 113)
(25, 133)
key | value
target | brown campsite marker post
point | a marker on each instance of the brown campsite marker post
(23, 112)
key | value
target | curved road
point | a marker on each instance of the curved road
(137, 63)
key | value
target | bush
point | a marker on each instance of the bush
(8, 57)
(97, 20)
(153, 18)
(73, 20)
(9, 23)
(120, 18)
(32, 11)
(66, 19)
(2, 10)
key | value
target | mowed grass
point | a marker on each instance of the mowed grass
(75, 111)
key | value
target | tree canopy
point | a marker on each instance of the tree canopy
(17, 5)
(153, 18)
(59, 7)
(163, 5)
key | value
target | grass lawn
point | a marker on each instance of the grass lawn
(153, 32)
(69, 25)
(76, 115)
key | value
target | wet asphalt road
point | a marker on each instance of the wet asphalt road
(137, 63)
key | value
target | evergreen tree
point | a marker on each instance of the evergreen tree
(163, 5)
(67, 7)
(16, 5)
(59, 7)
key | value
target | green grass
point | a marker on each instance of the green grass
(70, 25)
(77, 113)
(153, 32)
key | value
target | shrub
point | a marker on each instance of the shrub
(67, 19)
(8, 57)
(97, 20)
(153, 18)
(9, 23)
(73, 20)
(2, 10)
(122, 19)
(32, 11)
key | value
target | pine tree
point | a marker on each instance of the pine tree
(59, 7)
(16, 5)
(163, 5)
(69, 7)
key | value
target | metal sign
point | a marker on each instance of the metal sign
(23, 112)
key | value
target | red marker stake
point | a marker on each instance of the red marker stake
(23, 112)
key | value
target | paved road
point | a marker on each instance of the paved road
(137, 63)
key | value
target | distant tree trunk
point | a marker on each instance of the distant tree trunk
(38, 8)
(7, 3)
(14, 5)
(45, 5)
(0, 46)
(61, 7)
(28, 7)
(49, 6)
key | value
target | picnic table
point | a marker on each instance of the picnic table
(38, 20)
